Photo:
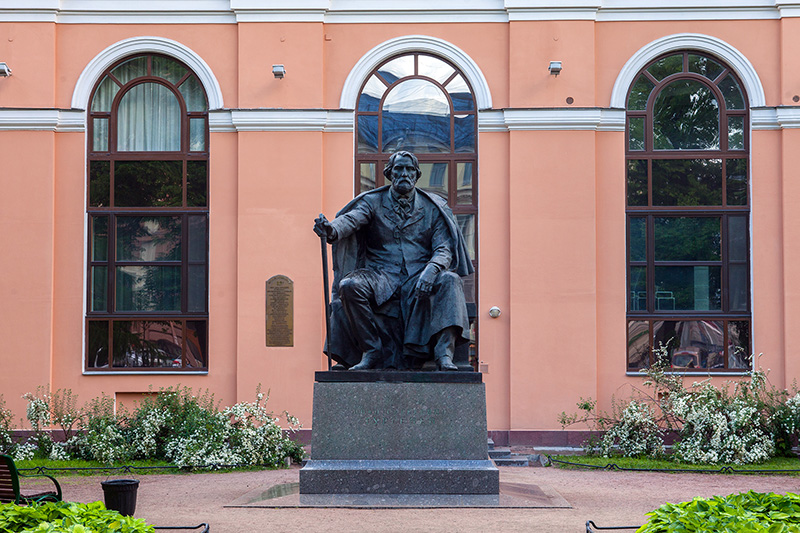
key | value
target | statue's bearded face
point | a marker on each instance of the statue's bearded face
(404, 175)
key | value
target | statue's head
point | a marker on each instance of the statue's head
(403, 171)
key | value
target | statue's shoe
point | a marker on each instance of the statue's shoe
(369, 361)
(445, 362)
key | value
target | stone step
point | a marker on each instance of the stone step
(499, 452)
(490, 442)
(520, 460)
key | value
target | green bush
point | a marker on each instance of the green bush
(67, 517)
(741, 422)
(749, 512)
(103, 437)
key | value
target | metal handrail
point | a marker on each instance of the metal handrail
(591, 527)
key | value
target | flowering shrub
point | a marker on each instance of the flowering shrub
(103, 433)
(720, 429)
(745, 421)
(636, 433)
(245, 433)
(6, 424)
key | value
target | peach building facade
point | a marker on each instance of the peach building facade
(155, 174)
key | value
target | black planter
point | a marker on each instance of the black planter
(120, 495)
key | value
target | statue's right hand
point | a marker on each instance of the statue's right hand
(323, 228)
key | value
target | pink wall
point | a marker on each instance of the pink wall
(552, 237)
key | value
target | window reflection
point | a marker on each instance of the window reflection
(434, 178)
(640, 92)
(688, 239)
(464, 127)
(692, 344)
(149, 344)
(460, 93)
(435, 68)
(367, 134)
(148, 288)
(688, 248)
(666, 66)
(687, 182)
(686, 117)
(148, 230)
(637, 182)
(370, 97)
(732, 93)
(148, 183)
(705, 66)
(467, 225)
(638, 344)
(397, 68)
(148, 238)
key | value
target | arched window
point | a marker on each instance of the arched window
(147, 305)
(688, 215)
(424, 104)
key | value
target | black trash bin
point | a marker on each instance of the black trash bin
(120, 495)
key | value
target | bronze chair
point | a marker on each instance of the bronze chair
(10, 490)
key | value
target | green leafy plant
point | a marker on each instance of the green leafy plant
(67, 517)
(748, 512)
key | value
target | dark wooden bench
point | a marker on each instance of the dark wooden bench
(10, 490)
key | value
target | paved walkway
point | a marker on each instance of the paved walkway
(608, 498)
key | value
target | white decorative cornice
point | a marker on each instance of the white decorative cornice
(220, 120)
(42, 120)
(565, 119)
(689, 41)
(519, 10)
(342, 120)
(491, 120)
(91, 74)
(377, 12)
(764, 118)
(415, 43)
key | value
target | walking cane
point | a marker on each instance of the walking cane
(324, 241)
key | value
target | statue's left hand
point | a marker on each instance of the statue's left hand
(426, 279)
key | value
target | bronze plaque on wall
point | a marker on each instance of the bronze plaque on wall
(280, 311)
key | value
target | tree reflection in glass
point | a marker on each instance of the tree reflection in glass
(146, 343)
(686, 117)
(687, 182)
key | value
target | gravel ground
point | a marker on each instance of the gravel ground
(607, 498)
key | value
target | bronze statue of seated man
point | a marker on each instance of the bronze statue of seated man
(398, 259)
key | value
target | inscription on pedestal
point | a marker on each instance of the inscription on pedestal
(280, 311)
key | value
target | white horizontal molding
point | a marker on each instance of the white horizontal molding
(42, 120)
(788, 117)
(342, 120)
(291, 120)
(764, 118)
(562, 119)
(371, 11)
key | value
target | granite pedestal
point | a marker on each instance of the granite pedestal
(399, 433)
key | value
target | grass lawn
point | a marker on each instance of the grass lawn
(98, 468)
(645, 463)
